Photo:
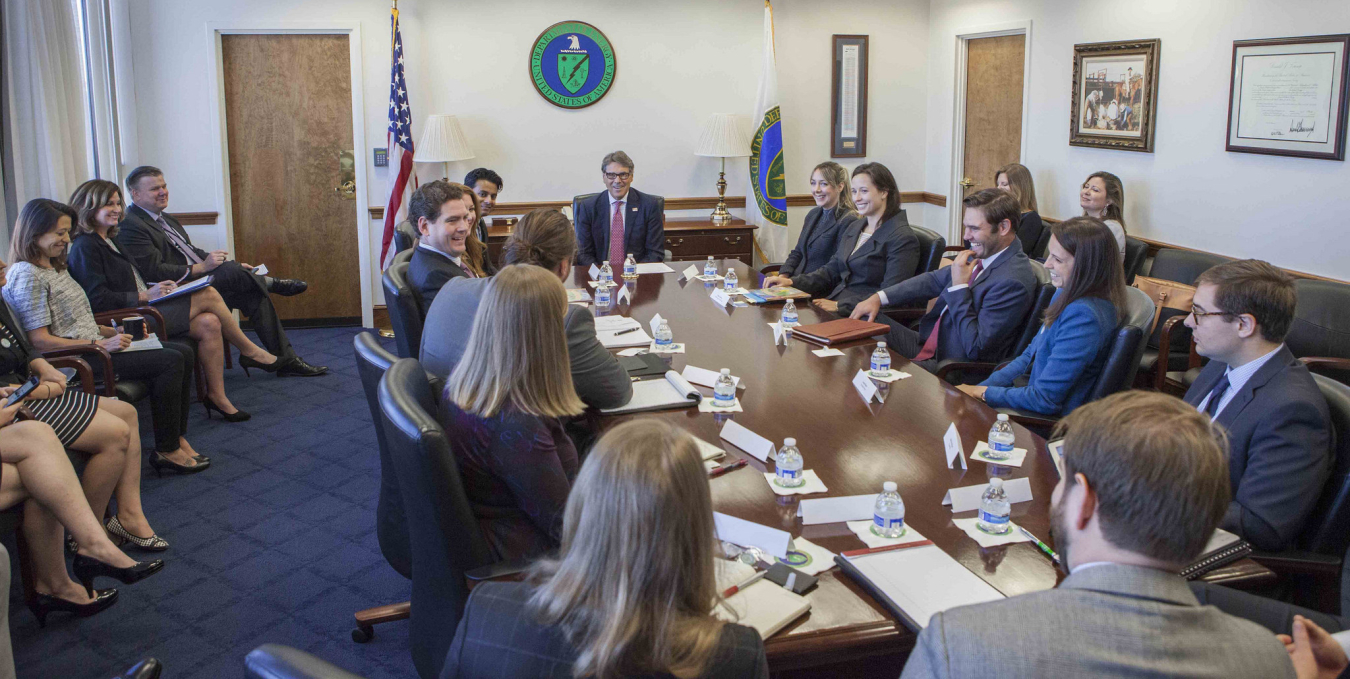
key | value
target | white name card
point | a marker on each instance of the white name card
(779, 337)
(748, 441)
(720, 297)
(968, 498)
(655, 323)
(624, 294)
(866, 389)
(952, 440)
(595, 272)
(688, 274)
(836, 509)
(750, 534)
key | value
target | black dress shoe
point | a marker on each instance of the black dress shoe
(87, 568)
(297, 367)
(287, 287)
(42, 604)
(160, 463)
(150, 668)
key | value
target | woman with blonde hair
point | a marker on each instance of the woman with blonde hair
(1016, 179)
(825, 222)
(632, 590)
(503, 406)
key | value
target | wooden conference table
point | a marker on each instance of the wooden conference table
(853, 447)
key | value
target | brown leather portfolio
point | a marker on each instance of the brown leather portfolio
(839, 331)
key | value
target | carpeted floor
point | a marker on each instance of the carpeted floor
(275, 543)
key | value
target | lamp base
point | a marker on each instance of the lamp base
(720, 216)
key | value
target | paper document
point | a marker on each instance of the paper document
(185, 289)
(709, 451)
(917, 582)
(150, 342)
(578, 295)
(608, 329)
(261, 269)
(654, 267)
(672, 392)
(707, 378)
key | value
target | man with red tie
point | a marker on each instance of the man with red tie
(620, 221)
(982, 298)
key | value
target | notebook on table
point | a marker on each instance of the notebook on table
(670, 391)
(915, 583)
(1223, 548)
(839, 331)
(765, 605)
(778, 294)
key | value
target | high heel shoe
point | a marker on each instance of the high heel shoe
(87, 568)
(159, 463)
(236, 416)
(42, 604)
(246, 363)
(154, 543)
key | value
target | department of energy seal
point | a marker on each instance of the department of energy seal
(572, 64)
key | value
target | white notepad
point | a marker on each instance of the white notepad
(607, 327)
(672, 392)
(150, 342)
(765, 606)
(920, 581)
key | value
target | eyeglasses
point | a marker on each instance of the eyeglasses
(1195, 311)
(611, 176)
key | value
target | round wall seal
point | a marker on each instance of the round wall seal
(572, 64)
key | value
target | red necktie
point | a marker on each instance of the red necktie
(616, 236)
(930, 345)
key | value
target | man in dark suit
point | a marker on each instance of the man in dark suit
(486, 184)
(983, 297)
(1279, 437)
(443, 212)
(621, 221)
(162, 250)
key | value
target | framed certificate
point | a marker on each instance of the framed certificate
(1288, 96)
(848, 100)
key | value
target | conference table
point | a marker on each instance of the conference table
(854, 447)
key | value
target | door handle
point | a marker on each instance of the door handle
(966, 182)
(346, 191)
(346, 188)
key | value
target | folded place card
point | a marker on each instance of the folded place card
(891, 376)
(634, 351)
(863, 529)
(594, 271)
(654, 267)
(981, 453)
(623, 294)
(706, 406)
(824, 353)
(952, 441)
(866, 389)
(779, 337)
(720, 297)
(808, 557)
(812, 484)
(987, 540)
(968, 498)
(737, 435)
(1056, 449)
(750, 534)
(672, 348)
(690, 273)
(836, 509)
(655, 323)
(705, 377)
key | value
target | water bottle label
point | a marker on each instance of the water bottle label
(995, 519)
(663, 342)
(883, 523)
(879, 367)
(1000, 447)
(723, 399)
(789, 473)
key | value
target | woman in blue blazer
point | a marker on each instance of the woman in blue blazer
(825, 223)
(876, 251)
(1062, 364)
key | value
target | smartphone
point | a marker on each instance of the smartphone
(23, 391)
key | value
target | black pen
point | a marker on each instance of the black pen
(625, 332)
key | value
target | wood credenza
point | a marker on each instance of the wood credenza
(686, 238)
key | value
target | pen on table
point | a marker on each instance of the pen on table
(625, 332)
(726, 468)
(1044, 547)
(748, 581)
(887, 548)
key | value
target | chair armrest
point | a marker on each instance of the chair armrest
(944, 367)
(82, 369)
(953, 248)
(500, 569)
(106, 317)
(904, 315)
(1165, 352)
(1300, 562)
(1028, 420)
(95, 353)
(1316, 363)
(770, 269)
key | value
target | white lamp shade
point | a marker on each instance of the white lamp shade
(442, 141)
(722, 137)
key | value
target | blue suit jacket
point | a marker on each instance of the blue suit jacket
(644, 228)
(1279, 448)
(1065, 360)
(891, 255)
(817, 242)
(982, 319)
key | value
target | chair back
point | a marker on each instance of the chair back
(1135, 253)
(1127, 346)
(391, 524)
(402, 257)
(405, 236)
(1042, 244)
(1321, 328)
(446, 540)
(405, 311)
(931, 245)
(1179, 266)
(577, 200)
(1040, 301)
(1328, 529)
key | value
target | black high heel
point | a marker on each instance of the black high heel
(159, 463)
(246, 363)
(236, 416)
(87, 568)
(42, 604)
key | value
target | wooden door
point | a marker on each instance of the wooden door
(993, 108)
(288, 112)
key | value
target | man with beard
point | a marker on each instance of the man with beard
(1145, 483)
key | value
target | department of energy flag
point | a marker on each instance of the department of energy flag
(768, 189)
(400, 174)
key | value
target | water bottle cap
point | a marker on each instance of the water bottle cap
(726, 371)
(606, 262)
(996, 482)
(889, 486)
(789, 442)
(881, 345)
(1002, 417)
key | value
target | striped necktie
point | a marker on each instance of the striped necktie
(178, 241)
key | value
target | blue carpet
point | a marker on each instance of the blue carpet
(274, 543)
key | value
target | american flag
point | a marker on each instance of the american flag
(402, 181)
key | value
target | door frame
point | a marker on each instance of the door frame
(221, 152)
(963, 37)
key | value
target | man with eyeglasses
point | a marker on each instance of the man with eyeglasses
(620, 221)
(1276, 418)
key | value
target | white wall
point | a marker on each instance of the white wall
(1190, 191)
(678, 63)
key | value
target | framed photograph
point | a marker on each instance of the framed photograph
(1288, 96)
(848, 99)
(1115, 95)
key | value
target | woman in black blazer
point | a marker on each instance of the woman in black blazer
(877, 250)
(825, 223)
(111, 281)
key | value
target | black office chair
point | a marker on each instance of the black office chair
(405, 236)
(1178, 266)
(448, 548)
(391, 524)
(1315, 566)
(274, 661)
(1320, 333)
(1135, 253)
(1042, 243)
(970, 372)
(405, 310)
(931, 247)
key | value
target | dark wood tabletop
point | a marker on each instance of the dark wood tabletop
(853, 447)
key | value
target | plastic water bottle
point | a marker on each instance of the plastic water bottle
(663, 334)
(602, 296)
(994, 509)
(710, 269)
(606, 274)
(1000, 439)
(724, 392)
(629, 267)
(881, 361)
(888, 514)
(788, 320)
(729, 283)
(788, 465)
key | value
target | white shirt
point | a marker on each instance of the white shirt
(613, 200)
(1090, 564)
(451, 257)
(1237, 378)
(988, 262)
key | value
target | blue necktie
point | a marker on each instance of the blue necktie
(1216, 395)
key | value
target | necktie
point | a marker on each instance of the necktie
(178, 241)
(1216, 395)
(616, 236)
(930, 345)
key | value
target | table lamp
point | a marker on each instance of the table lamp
(723, 138)
(442, 142)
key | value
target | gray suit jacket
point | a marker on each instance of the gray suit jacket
(596, 374)
(1104, 621)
